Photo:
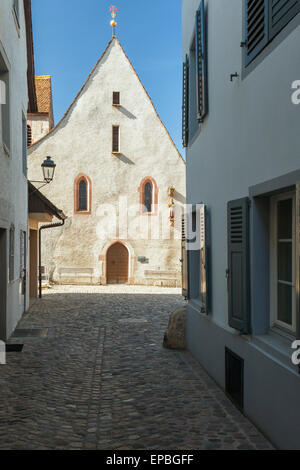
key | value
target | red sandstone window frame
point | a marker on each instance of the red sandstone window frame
(78, 179)
(155, 191)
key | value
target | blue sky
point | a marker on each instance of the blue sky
(71, 35)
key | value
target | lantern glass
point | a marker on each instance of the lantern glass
(48, 167)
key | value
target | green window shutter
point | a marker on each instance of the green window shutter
(256, 28)
(203, 259)
(24, 146)
(238, 265)
(280, 13)
(201, 63)
(185, 103)
(184, 258)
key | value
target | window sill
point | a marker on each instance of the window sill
(116, 153)
(82, 213)
(116, 106)
(277, 345)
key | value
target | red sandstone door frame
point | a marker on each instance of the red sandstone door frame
(131, 261)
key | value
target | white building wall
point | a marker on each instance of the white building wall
(250, 135)
(82, 143)
(13, 183)
(40, 126)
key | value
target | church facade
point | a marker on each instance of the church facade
(119, 179)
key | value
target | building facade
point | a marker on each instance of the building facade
(241, 118)
(41, 121)
(119, 179)
(15, 27)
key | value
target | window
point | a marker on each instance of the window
(116, 98)
(283, 295)
(16, 9)
(5, 105)
(82, 195)
(82, 200)
(148, 196)
(116, 139)
(264, 20)
(29, 135)
(12, 253)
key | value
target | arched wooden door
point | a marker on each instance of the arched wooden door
(117, 263)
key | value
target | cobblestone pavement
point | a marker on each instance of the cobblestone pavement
(102, 380)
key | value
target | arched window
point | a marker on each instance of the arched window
(82, 195)
(148, 196)
(29, 135)
(82, 199)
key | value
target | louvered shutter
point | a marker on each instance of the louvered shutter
(184, 257)
(280, 13)
(238, 265)
(203, 259)
(297, 223)
(256, 28)
(185, 103)
(201, 63)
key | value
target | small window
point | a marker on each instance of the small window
(148, 197)
(12, 253)
(82, 202)
(116, 139)
(29, 135)
(82, 195)
(283, 296)
(116, 98)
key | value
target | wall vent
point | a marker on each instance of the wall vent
(234, 368)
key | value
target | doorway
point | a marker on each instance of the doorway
(117, 264)
(3, 282)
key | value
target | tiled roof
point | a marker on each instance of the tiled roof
(43, 94)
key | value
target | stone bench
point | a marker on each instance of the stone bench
(76, 273)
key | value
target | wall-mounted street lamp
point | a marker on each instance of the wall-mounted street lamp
(48, 167)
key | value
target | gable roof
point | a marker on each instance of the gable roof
(84, 86)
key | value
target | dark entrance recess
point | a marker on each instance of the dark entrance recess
(234, 369)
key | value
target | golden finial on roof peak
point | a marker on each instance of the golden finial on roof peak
(113, 22)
